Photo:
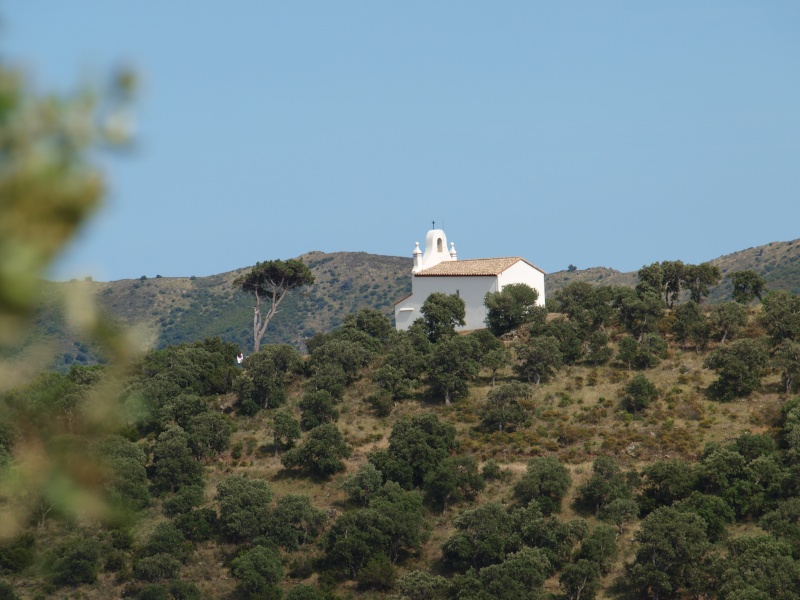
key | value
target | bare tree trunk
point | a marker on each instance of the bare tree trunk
(260, 323)
(257, 325)
(579, 591)
(44, 509)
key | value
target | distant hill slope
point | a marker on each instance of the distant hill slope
(182, 309)
(594, 275)
(777, 262)
(189, 309)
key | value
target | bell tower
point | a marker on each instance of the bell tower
(436, 251)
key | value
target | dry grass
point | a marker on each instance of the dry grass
(577, 416)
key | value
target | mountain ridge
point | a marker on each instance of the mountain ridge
(183, 309)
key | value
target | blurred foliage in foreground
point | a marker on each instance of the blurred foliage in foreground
(48, 188)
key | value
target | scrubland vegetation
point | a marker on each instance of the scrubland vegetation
(603, 447)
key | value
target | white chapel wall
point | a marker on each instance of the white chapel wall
(471, 290)
(522, 272)
(406, 312)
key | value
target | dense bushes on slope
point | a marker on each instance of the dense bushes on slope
(417, 495)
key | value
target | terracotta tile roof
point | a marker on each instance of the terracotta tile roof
(476, 267)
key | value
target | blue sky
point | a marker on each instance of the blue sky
(590, 133)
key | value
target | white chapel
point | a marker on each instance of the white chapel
(439, 270)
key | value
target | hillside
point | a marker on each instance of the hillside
(181, 309)
(777, 262)
(180, 545)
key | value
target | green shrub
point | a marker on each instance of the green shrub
(295, 522)
(153, 592)
(491, 470)
(639, 393)
(362, 484)
(158, 566)
(210, 434)
(115, 560)
(16, 555)
(198, 525)
(381, 402)
(304, 592)
(546, 482)
(511, 308)
(244, 510)
(167, 539)
(421, 585)
(321, 453)
(455, 479)
(484, 536)
(7, 592)
(319, 407)
(258, 571)
(75, 561)
(121, 539)
(238, 447)
(377, 574)
(183, 590)
(174, 467)
(183, 501)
